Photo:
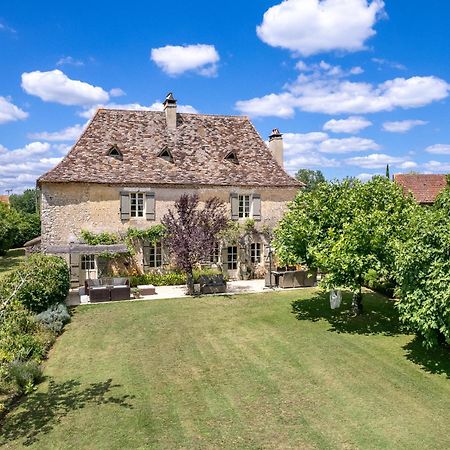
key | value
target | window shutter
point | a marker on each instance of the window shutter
(150, 205)
(124, 206)
(234, 200)
(146, 255)
(74, 263)
(256, 206)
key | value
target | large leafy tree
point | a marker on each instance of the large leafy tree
(311, 178)
(345, 228)
(192, 231)
(25, 202)
(9, 222)
(423, 273)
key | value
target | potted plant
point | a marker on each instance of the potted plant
(136, 292)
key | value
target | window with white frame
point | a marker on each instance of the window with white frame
(136, 204)
(155, 256)
(214, 257)
(87, 262)
(244, 206)
(255, 252)
(232, 253)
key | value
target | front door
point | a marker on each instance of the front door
(88, 268)
(232, 262)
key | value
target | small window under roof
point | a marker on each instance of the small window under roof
(166, 155)
(231, 156)
(115, 152)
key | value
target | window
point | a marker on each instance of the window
(87, 262)
(255, 253)
(115, 152)
(166, 155)
(214, 258)
(155, 257)
(232, 157)
(244, 206)
(137, 204)
(232, 258)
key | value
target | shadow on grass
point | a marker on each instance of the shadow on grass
(380, 316)
(435, 360)
(41, 411)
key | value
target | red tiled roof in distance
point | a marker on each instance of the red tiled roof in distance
(4, 199)
(198, 146)
(424, 187)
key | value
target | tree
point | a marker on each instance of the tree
(26, 202)
(311, 178)
(423, 273)
(191, 231)
(345, 229)
(388, 174)
(9, 220)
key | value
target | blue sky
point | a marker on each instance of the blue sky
(352, 84)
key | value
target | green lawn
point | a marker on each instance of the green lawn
(11, 260)
(275, 370)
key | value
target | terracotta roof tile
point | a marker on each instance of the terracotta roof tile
(424, 187)
(198, 145)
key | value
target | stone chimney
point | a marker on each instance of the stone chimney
(276, 145)
(170, 108)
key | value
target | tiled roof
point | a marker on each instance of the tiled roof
(4, 199)
(198, 145)
(424, 187)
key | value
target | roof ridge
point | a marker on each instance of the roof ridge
(234, 116)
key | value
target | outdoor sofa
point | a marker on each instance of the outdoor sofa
(108, 289)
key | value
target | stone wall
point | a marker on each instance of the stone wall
(68, 208)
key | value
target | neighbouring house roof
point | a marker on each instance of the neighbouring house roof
(424, 187)
(4, 199)
(198, 147)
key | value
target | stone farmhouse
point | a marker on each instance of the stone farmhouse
(129, 167)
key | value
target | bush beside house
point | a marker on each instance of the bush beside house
(39, 285)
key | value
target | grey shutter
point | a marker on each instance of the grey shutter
(124, 206)
(234, 200)
(146, 255)
(256, 206)
(74, 263)
(150, 206)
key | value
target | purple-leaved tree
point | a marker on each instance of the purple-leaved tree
(192, 231)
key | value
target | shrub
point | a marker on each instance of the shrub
(55, 317)
(24, 375)
(207, 272)
(22, 336)
(158, 279)
(39, 282)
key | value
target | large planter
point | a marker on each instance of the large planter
(212, 284)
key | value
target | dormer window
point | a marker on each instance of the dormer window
(115, 152)
(231, 156)
(166, 155)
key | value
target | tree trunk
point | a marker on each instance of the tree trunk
(357, 305)
(190, 283)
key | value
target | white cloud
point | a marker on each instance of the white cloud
(437, 166)
(379, 160)
(67, 134)
(10, 112)
(348, 145)
(364, 177)
(402, 126)
(351, 125)
(439, 149)
(156, 106)
(116, 92)
(301, 150)
(55, 86)
(178, 59)
(69, 60)
(335, 96)
(391, 64)
(309, 27)
(20, 167)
